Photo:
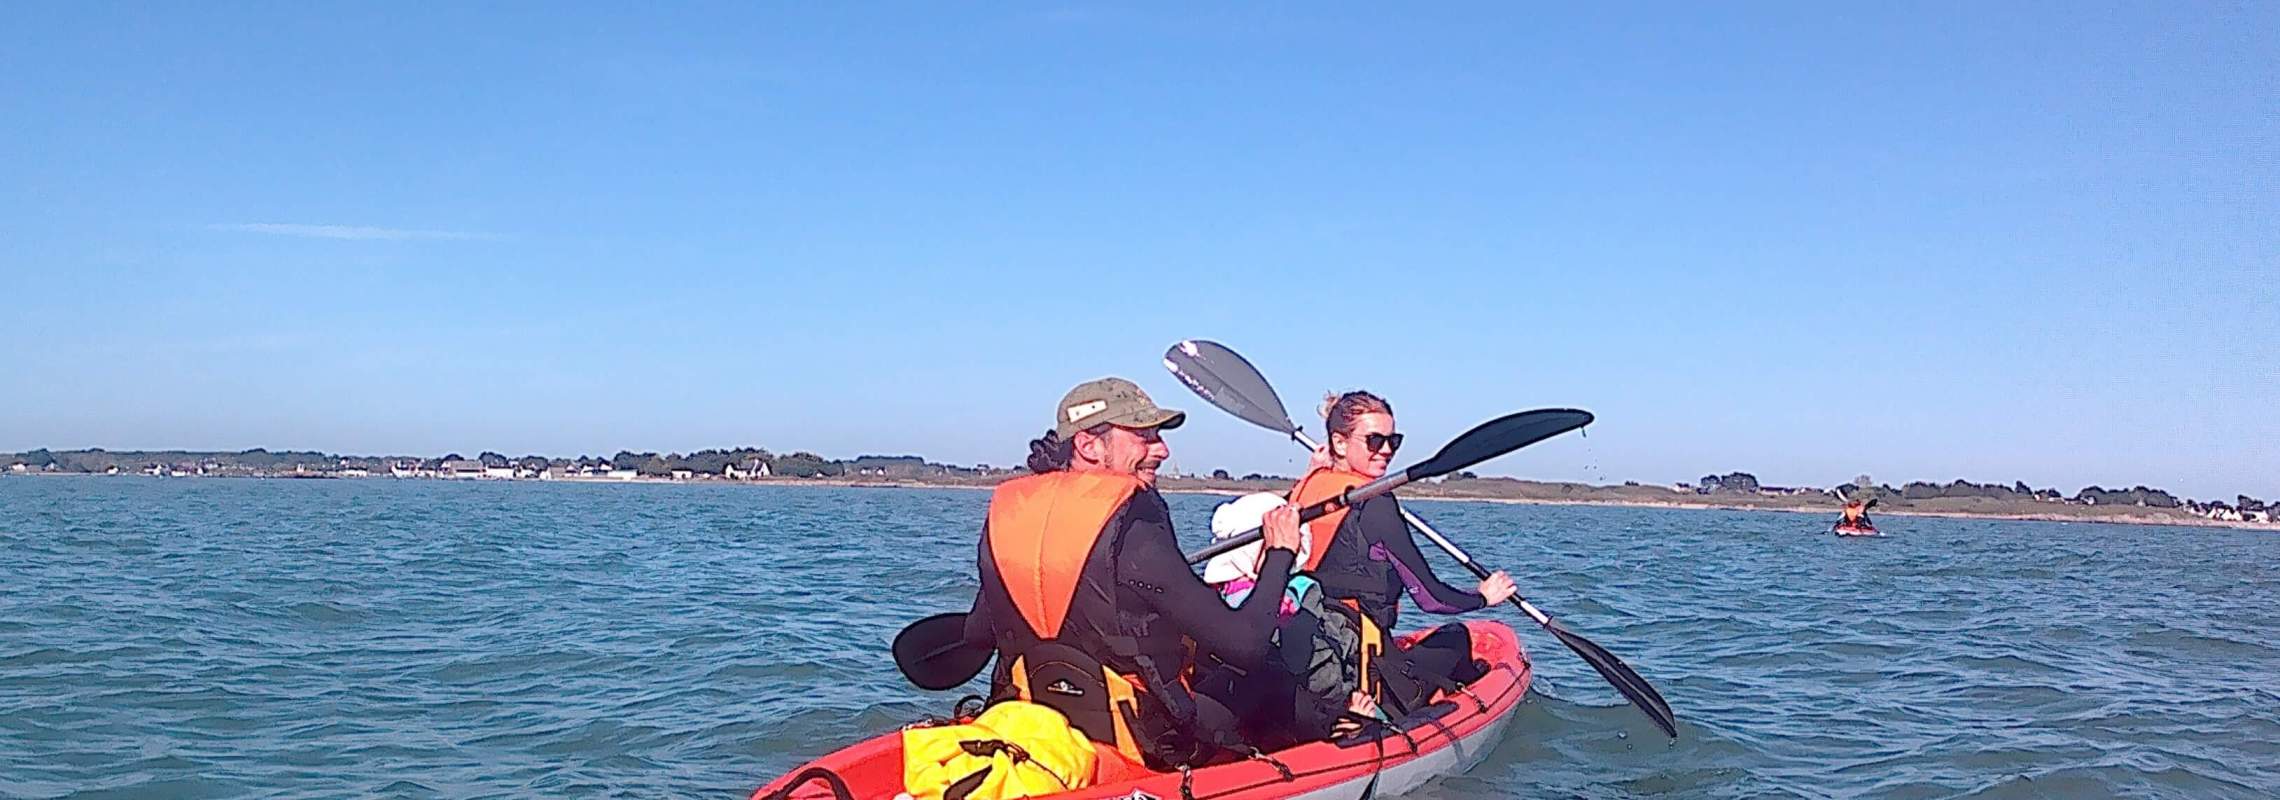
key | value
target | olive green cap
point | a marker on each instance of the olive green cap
(1111, 401)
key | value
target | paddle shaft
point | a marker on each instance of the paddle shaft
(1627, 681)
(1446, 546)
(949, 661)
(1311, 513)
(1227, 380)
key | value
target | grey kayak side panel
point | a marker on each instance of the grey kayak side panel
(1455, 758)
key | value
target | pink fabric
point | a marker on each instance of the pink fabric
(1240, 587)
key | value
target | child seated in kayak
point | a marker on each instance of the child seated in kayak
(1266, 700)
(1236, 571)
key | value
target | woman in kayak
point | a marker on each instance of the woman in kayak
(1366, 558)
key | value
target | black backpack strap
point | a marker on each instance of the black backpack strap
(1166, 688)
(1280, 768)
(965, 786)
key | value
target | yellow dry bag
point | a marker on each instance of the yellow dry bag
(1014, 749)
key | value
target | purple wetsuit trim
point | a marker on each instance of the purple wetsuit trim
(1417, 592)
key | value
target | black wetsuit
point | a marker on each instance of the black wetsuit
(1374, 560)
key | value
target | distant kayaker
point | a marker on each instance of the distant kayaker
(1365, 558)
(1087, 598)
(1856, 515)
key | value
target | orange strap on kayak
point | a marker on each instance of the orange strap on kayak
(1323, 484)
(1041, 529)
(1373, 645)
(1124, 705)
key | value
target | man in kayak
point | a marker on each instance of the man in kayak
(1087, 598)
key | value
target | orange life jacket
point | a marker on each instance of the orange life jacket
(1323, 484)
(1045, 540)
(1855, 510)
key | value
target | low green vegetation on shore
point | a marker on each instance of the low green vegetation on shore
(1731, 490)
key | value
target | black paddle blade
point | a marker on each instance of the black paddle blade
(1224, 379)
(1621, 676)
(933, 653)
(1499, 436)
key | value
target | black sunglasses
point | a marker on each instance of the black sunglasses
(1388, 442)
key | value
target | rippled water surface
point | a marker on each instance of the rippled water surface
(235, 638)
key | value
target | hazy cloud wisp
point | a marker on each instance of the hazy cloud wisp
(353, 232)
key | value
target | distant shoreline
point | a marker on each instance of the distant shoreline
(1503, 491)
(2109, 519)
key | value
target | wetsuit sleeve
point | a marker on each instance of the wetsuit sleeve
(1153, 569)
(979, 632)
(1379, 519)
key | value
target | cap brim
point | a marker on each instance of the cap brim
(1159, 418)
(1162, 419)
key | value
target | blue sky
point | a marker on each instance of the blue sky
(1994, 241)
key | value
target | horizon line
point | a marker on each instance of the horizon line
(611, 458)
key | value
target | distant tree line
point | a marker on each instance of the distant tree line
(798, 464)
(1736, 482)
(801, 464)
(1863, 488)
(804, 464)
(100, 460)
(710, 462)
(2018, 490)
(1224, 475)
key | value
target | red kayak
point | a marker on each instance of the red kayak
(1464, 732)
(1856, 530)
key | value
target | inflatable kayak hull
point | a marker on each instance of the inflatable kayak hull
(1854, 530)
(1454, 741)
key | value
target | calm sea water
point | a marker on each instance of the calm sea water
(233, 638)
